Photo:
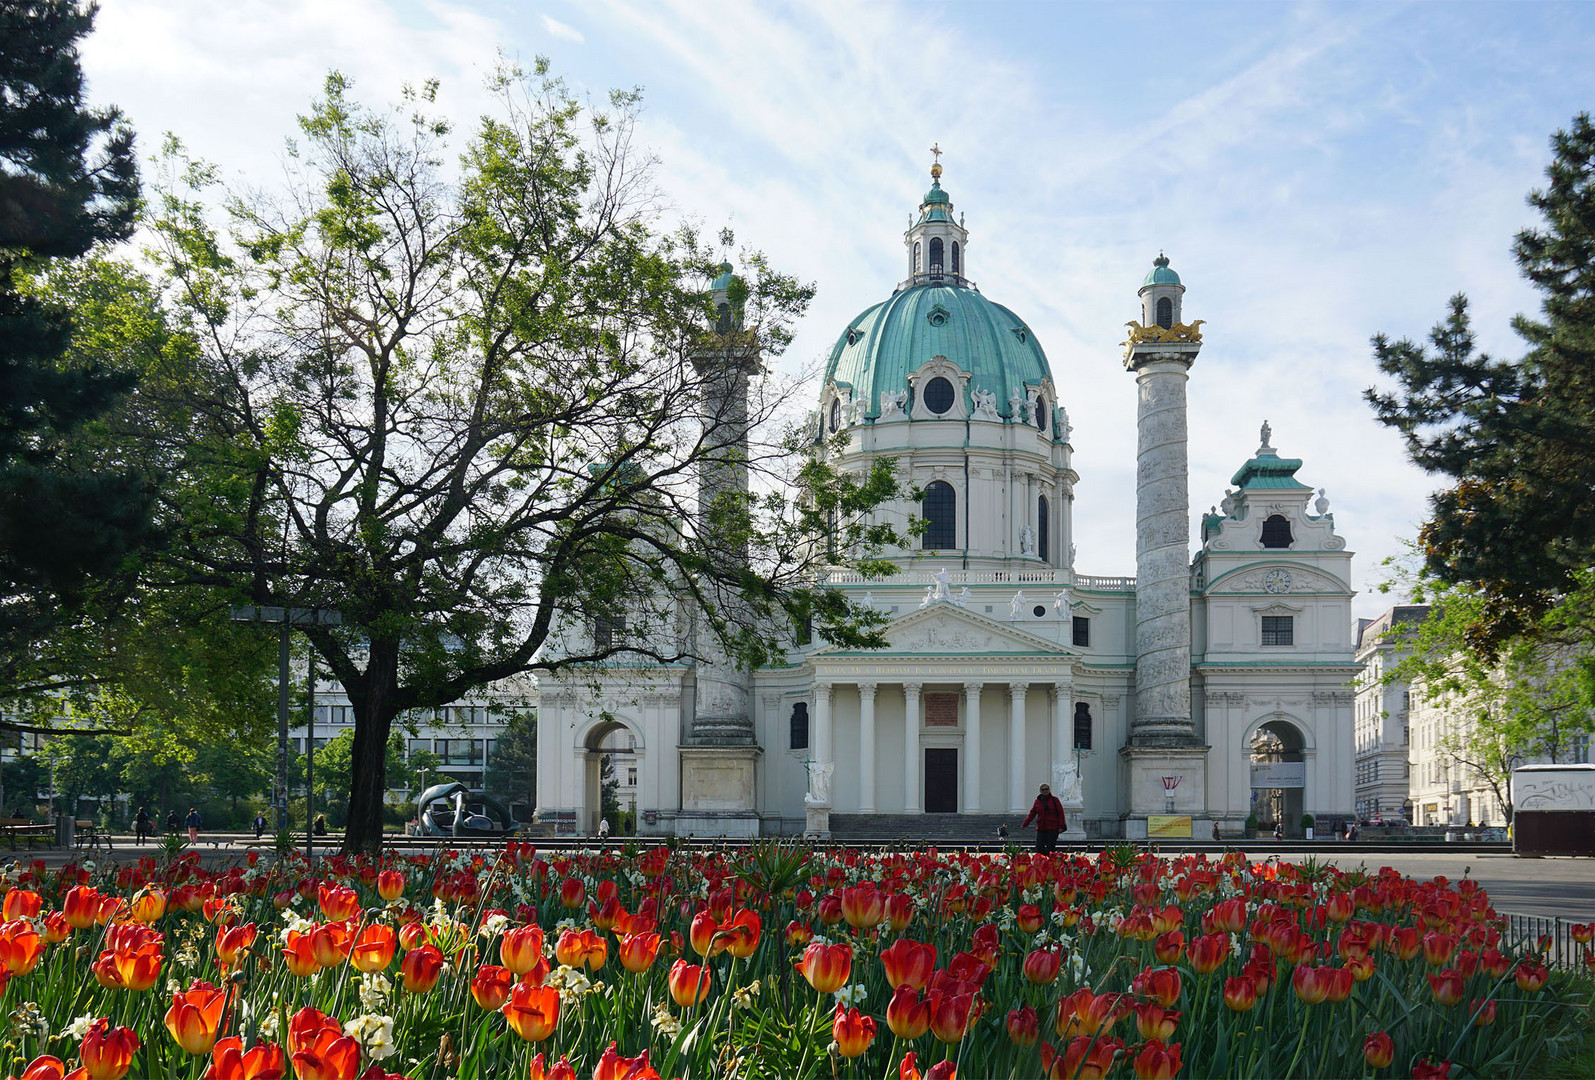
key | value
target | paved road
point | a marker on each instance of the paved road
(1548, 886)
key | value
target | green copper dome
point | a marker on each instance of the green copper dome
(883, 344)
(723, 280)
(1160, 274)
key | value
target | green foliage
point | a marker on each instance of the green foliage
(773, 866)
(512, 766)
(1512, 437)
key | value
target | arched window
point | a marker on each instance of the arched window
(1165, 312)
(956, 268)
(1043, 516)
(916, 256)
(722, 319)
(1041, 413)
(935, 256)
(836, 414)
(1082, 726)
(941, 516)
(938, 395)
(800, 727)
(1276, 532)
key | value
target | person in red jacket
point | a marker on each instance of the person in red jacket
(1047, 813)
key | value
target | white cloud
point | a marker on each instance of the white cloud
(561, 30)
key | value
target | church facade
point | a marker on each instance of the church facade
(1203, 690)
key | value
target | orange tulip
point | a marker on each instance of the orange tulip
(908, 963)
(1379, 1050)
(44, 1067)
(560, 1070)
(863, 906)
(578, 948)
(331, 943)
(148, 905)
(853, 1032)
(412, 934)
(330, 1057)
(373, 949)
(637, 952)
(56, 928)
(232, 940)
(521, 949)
(81, 907)
(532, 1012)
(611, 1066)
(701, 935)
(195, 1017)
(299, 954)
(742, 934)
(338, 902)
(229, 1061)
(1157, 1061)
(307, 1026)
(139, 968)
(491, 986)
(421, 968)
(1154, 1021)
(21, 904)
(20, 945)
(390, 885)
(107, 1052)
(826, 967)
(689, 983)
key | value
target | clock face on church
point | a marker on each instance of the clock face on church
(1277, 581)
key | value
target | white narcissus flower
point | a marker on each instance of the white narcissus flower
(494, 925)
(851, 995)
(374, 1033)
(79, 1027)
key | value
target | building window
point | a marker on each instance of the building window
(956, 268)
(1580, 747)
(836, 413)
(941, 516)
(938, 395)
(1082, 632)
(722, 318)
(1043, 521)
(935, 256)
(1165, 312)
(420, 746)
(459, 751)
(607, 630)
(1279, 630)
(1041, 413)
(800, 726)
(1082, 726)
(1276, 532)
(631, 777)
(916, 256)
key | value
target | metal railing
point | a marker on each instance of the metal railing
(1551, 936)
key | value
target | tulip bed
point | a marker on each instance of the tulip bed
(774, 960)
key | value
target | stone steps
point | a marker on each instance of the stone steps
(913, 828)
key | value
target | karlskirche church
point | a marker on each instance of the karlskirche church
(1199, 691)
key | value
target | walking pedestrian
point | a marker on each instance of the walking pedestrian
(1217, 837)
(173, 822)
(141, 826)
(1047, 813)
(193, 823)
(603, 828)
(260, 824)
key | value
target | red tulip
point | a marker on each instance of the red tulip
(1405, 942)
(49, 1067)
(229, 1061)
(702, 935)
(572, 893)
(799, 933)
(1227, 916)
(1428, 1070)
(390, 885)
(899, 911)
(1531, 976)
(81, 907)
(232, 940)
(637, 952)
(1583, 933)
(491, 986)
(1207, 952)
(863, 906)
(331, 943)
(826, 967)
(560, 1070)
(1085, 1058)
(1028, 918)
(1154, 1021)
(1483, 1012)
(1168, 948)
(829, 909)
(1157, 1061)
(1041, 966)
(949, 1015)
(1310, 983)
(21, 946)
(908, 963)
(107, 1052)
(1339, 984)
(1437, 948)
(338, 902)
(1160, 984)
(532, 1012)
(1024, 1027)
(611, 1066)
(299, 954)
(521, 949)
(1378, 1050)
(742, 934)
(853, 1033)
(1240, 994)
(1447, 986)
(421, 968)
(689, 983)
(907, 1015)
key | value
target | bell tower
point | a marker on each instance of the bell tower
(1164, 759)
(936, 244)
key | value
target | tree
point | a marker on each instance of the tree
(334, 771)
(1512, 436)
(68, 181)
(512, 765)
(609, 792)
(466, 413)
(1528, 700)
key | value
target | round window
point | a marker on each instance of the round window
(836, 413)
(1041, 412)
(938, 395)
(1039, 611)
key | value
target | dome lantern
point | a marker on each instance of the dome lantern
(1160, 294)
(936, 243)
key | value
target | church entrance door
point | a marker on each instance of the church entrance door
(941, 780)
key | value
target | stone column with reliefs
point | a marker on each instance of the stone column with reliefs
(817, 803)
(866, 748)
(1066, 783)
(1017, 802)
(972, 747)
(913, 770)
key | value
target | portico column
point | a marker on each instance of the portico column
(972, 747)
(1017, 803)
(866, 747)
(1061, 743)
(822, 722)
(911, 763)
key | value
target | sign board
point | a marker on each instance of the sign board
(1280, 774)
(1570, 787)
(1167, 827)
(941, 710)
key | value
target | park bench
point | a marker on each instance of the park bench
(15, 829)
(87, 836)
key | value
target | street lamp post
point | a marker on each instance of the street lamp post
(287, 618)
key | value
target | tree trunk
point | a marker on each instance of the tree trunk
(374, 711)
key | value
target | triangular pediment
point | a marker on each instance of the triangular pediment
(945, 629)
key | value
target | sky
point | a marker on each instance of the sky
(1316, 173)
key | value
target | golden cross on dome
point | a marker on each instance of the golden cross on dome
(936, 151)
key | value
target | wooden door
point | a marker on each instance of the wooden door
(941, 780)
